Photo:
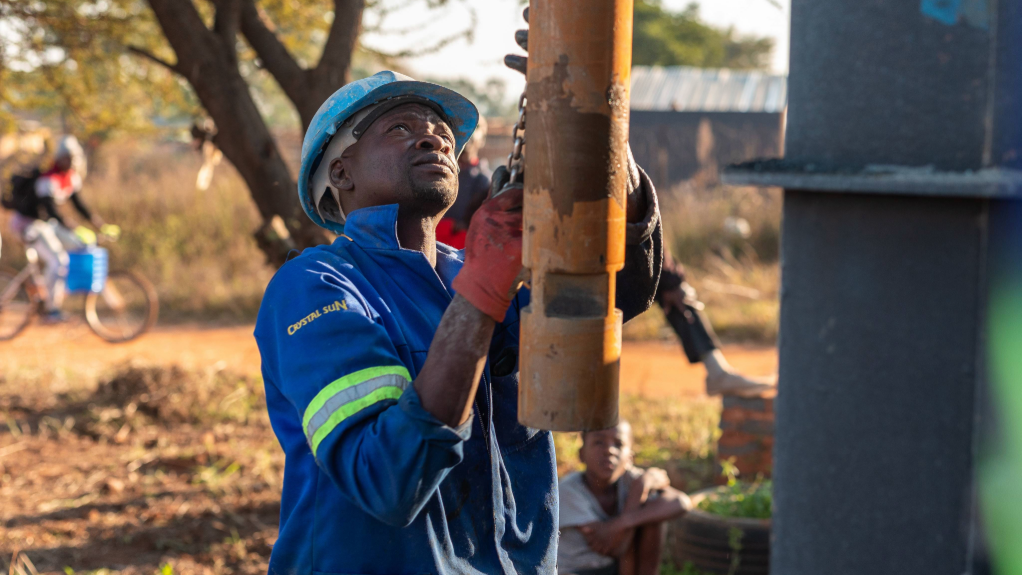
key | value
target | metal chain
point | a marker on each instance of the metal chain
(514, 159)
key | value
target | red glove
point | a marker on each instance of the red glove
(493, 254)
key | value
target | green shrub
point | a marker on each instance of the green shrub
(741, 500)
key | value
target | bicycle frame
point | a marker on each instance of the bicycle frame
(108, 322)
(31, 271)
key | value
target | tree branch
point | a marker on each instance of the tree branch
(196, 47)
(226, 26)
(468, 33)
(154, 58)
(435, 47)
(340, 43)
(307, 89)
(272, 53)
(242, 133)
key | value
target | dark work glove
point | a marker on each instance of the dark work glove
(500, 181)
(637, 203)
(514, 61)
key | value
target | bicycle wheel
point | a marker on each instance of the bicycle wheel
(17, 307)
(124, 310)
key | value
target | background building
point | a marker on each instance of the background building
(686, 122)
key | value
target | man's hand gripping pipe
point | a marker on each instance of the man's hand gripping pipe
(485, 287)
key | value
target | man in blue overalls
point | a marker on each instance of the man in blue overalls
(390, 360)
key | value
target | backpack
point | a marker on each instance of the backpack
(21, 196)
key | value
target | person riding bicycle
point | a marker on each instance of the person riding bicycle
(40, 226)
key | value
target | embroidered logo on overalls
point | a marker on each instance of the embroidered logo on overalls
(336, 306)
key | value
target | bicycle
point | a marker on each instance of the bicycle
(119, 305)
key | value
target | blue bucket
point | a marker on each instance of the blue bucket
(87, 270)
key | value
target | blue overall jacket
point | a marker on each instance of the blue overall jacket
(373, 483)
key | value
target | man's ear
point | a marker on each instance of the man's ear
(339, 177)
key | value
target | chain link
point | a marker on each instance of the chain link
(514, 159)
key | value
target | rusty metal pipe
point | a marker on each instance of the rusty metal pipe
(580, 56)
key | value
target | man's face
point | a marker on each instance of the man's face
(406, 157)
(607, 453)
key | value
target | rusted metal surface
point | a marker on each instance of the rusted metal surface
(575, 177)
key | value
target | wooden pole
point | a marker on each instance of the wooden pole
(580, 56)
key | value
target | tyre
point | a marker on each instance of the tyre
(17, 306)
(716, 544)
(125, 309)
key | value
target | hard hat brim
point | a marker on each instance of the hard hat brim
(461, 115)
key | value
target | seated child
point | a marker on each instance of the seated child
(612, 515)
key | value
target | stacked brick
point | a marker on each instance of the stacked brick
(747, 434)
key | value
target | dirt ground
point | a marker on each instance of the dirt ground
(171, 466)
(650, 369)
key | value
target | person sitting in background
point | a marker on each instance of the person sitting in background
(38, 223)
(473, 186)
(612, 514)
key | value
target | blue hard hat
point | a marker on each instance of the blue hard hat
(461, 116)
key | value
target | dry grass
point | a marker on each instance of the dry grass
(750, 315)
(198, 250)
(737, 278)
(695, 223)
(196, 247)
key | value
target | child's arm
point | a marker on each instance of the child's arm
(613, 537)
(653, 479)
(607, 538)
(671, 503)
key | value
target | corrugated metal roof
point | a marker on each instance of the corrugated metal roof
(686, 89)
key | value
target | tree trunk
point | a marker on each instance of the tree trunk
(208, 62)
(334, 67)
(306, 88)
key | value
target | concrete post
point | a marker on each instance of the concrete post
(902, 143)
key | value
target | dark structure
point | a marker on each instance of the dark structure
(686, 122)
(663, 142)
(903, 140)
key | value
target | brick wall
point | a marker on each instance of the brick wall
(747, 433)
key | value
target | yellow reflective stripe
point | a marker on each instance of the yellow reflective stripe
(349, 409)
(348, 381)
(350, 395)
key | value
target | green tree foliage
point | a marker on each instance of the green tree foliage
(105, 65)
(91, 63)
(664, 38)
(67, 59)
(76, 59)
